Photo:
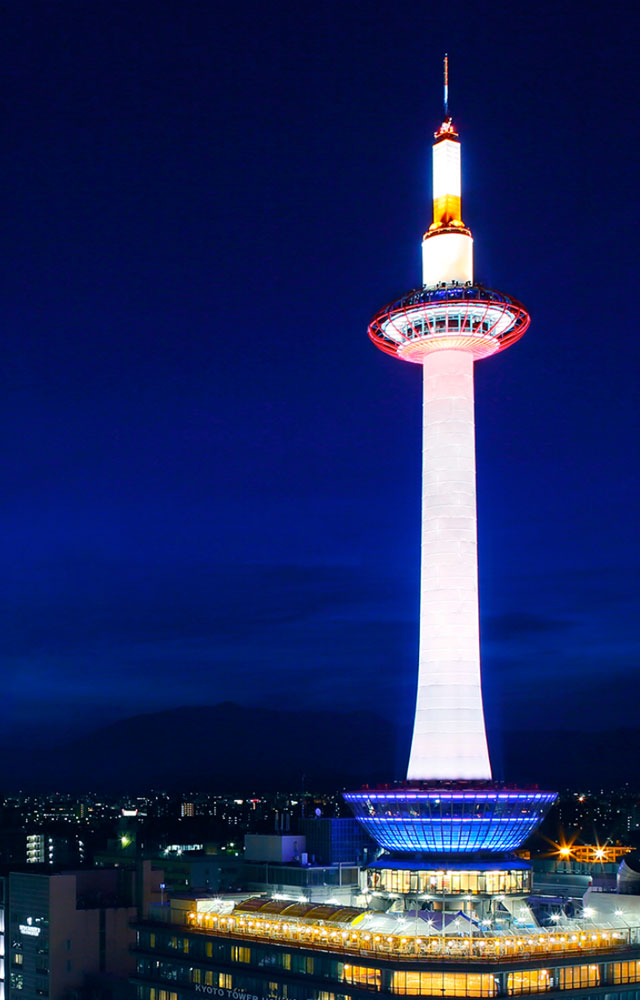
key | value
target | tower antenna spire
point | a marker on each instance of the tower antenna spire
(446, 85)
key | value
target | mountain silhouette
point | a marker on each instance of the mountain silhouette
(223, 747)
(231, 748)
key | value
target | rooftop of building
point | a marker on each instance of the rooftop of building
(412, 935)
(89, 888)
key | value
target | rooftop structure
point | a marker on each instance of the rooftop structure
(352, 930)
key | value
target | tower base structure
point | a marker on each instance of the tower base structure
(440, 888)
(448, 849)
(450, 818)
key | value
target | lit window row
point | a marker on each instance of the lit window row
(448, 984)
(504, 882)
(427, 324)
(155, 994)
(625, 972)
(206, 977)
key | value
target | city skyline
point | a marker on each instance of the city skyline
(206, 499)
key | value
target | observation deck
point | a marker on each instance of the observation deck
(463, 317)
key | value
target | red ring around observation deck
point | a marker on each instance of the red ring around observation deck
(469, 318)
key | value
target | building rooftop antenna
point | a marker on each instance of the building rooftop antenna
(446, 86)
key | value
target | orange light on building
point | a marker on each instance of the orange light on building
(590, 853)
(602, 854)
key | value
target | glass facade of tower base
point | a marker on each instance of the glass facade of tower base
(434, 878)
(446, 821)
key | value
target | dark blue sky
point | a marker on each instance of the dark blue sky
(211, 478)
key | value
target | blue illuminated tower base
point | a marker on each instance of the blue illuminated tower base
(450, 820)
(447, 849)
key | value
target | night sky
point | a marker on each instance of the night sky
(210, 476)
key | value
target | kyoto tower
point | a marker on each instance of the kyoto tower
(449, 804)
(445, 327)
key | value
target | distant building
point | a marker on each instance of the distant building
(128, 827)
(62, 850)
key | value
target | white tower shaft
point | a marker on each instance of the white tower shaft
(449, 740)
